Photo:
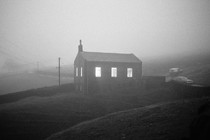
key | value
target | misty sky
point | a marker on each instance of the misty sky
(43, 30)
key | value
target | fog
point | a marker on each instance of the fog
(34, 31)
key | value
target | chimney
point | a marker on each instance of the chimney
(80, 47)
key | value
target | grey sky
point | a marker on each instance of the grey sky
(42, 30)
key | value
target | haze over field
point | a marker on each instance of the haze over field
(34, 33)
(36, 30)
(39, 99)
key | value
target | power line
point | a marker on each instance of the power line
(11, 53)
(17, 48)
(59, 70)
(14, 50)
(13, 57)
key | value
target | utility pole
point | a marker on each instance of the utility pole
(59, 70)
(38, 66)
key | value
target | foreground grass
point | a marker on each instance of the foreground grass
(37, 114)
(154, 122)
(38, 117)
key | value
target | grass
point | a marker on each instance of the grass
(37, 114)
(154, 122)
(37, 117)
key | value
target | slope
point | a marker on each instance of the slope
(38, 113)
(160, 121)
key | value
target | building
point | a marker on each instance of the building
(96, 71)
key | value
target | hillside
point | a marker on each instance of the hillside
(38, 113)
(161, 121)
(37, 117)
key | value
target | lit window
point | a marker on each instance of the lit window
(129, 72)
(81, 72)
(98, 71)
(113, 72)
(76, 71)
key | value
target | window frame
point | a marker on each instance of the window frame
(81, 71)
(129, 72)
(113, 72)
(98, 72)
(77, 72)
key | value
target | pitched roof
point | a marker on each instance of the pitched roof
(110, 57)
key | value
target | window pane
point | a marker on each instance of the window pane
(113, 72)
(129, 72)
(81, 72)
(76, 71)
(98, 71)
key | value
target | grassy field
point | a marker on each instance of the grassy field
(37, 114)
(24, 81)
(153, 122)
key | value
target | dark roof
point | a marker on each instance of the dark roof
(110, 57)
